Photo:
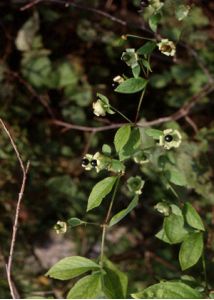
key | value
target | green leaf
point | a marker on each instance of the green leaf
(182, 12)
(71, 267)
(73, 222)
(37, 70)
(103, 98)
(176, 176)
(136, 71)
(88, 287)
(114, 282)
(147, 65)
(174, 228)
(121, 137)
(161, 235)
(147, 48)
(99, 191)
(131, 85)
(120, 215)
(168, 290)
(132, 145)
(67, 75)
(154, 133)
(106, 149)
(153, 22)
(191, 250)
(192, 217)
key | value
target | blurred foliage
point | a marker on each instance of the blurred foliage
(53, 61)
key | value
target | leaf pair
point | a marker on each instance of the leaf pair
(175, 231)
(107, 282)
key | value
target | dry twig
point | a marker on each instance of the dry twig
(16, 219)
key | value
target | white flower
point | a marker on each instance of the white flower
(60, 227)
(167, 47)
(99, 108)
(171, 138)
(118, 79)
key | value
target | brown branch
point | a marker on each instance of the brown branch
(42, 99)
(71, 3)
(16, 219)
(70, 126)
(183, 112)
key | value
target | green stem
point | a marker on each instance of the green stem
(139, 106)
(140, 37)
(204, 270)
(102, 245)
(112, 200)
(105, 225)
(117, 111)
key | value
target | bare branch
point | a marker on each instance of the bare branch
(16, 219)
(183, 112)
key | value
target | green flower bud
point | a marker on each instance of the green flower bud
(163, 208)
(130, 57)
(141, 158)
(135, 185)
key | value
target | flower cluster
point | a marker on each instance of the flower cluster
(100, 162)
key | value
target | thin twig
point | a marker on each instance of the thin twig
(29, 5)
(20, 196)
(71, 3)
(41, 98)
(183, 112)
(191, 123)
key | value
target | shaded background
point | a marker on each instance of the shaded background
(73, 53)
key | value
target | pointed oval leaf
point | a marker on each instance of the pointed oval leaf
(168, 290)
(192, 217)
(147, 48)
(114, 282)
(71, 267)
(121, 137)
(174, 228)
(99, 191)
(154, 133)
(132, 145)
(191, 250)
(120, 215)
(176, 176)
(161, 235)
(89, 287)
(73, 222)
(131, 85)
